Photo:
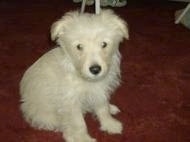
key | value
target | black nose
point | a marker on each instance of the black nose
(95, 69)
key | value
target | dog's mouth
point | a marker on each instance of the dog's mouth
(94, 78)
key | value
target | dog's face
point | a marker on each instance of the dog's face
(90, 40)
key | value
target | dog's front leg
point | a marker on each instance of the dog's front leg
(107, 122)
(74, 126)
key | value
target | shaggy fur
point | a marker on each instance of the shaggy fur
(76, 77)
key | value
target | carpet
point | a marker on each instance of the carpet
(154, 96)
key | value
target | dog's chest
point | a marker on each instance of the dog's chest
(84, 93)
(93, 93)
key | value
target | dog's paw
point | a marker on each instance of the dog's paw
(86, 139)
(80, 138)
(112, 126)
(114, 109)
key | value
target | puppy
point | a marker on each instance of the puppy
(76, 77)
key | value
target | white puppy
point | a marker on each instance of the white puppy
(76, 77)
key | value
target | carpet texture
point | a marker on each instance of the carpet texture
(155, 92)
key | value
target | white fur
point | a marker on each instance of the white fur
(58, 89)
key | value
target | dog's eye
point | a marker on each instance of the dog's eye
(79, 47)
(104, 44)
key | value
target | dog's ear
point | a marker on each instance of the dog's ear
(123, 27)
(119, 23)
(57, 28)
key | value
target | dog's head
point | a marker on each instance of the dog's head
(90, 40)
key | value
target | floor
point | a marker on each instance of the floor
(155, 92)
